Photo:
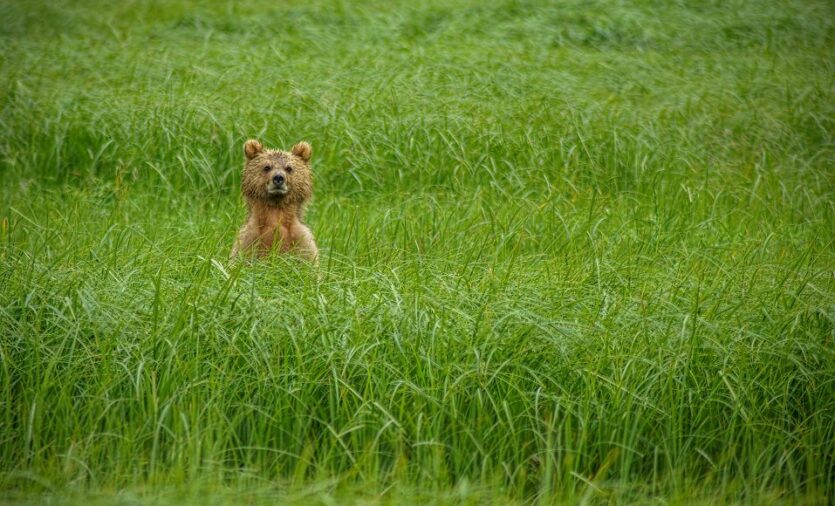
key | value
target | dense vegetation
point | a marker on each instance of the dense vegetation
(575, 251)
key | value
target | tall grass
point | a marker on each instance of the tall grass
(573, 252)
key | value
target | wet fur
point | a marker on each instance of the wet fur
(274, 221)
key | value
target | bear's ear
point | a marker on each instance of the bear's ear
(252, 148)
(303, 151)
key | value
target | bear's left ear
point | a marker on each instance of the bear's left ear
(303, 151)
(252, 148)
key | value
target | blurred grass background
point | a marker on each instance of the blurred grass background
(573, 251)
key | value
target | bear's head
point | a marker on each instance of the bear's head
(277, 178)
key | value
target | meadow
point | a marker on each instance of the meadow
(575, 252)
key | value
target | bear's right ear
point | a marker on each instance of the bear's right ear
(252, 148)
(302, 150)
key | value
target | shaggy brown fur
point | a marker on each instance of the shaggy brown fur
(276, 186)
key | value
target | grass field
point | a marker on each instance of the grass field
(572, 252)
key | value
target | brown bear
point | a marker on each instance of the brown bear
(276, 186)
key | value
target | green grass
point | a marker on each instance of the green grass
(575, 252)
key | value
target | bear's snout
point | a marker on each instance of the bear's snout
(277, 184)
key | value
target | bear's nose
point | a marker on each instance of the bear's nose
(278, 179)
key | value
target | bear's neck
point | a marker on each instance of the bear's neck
(268, 216)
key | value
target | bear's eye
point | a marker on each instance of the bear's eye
(267, 168)
(289, 169)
